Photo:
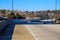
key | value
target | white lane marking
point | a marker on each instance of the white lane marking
(31, 32)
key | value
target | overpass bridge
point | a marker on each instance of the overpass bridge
(10, 31)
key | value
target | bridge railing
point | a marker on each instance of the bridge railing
(4, 24)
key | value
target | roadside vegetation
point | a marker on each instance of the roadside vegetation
(41, 15)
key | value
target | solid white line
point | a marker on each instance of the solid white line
(31, 32)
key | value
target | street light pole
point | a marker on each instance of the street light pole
(55, 10)
(12, 13)
(12, 5)
(56, 7)
(55, 4)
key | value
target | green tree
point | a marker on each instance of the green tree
(3, 11)
(13, 15)
(17, 16)
(8, 16)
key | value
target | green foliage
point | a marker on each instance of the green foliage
(8, 16)
(13, 15)
(3, 11)
(17, 16)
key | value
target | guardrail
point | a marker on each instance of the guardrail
(32, 21)
(4, 25)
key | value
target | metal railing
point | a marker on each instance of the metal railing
(4, 24)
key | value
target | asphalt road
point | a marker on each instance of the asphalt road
(45, 32)
(22, 33)
(31, 32)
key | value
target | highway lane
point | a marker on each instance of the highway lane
(45, 32)
(21, 33)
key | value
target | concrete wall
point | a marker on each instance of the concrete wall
(4, 25)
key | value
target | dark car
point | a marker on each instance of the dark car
(48, 22)
(35, 22)
(1, 18)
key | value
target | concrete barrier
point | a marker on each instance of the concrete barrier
(4, 24)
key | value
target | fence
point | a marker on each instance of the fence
(4, 25)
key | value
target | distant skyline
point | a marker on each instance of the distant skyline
(29, 5)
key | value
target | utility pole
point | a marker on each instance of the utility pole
(55, 4)
(56, 7)
(12, 13)
(12, 5)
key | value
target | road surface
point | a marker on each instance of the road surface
(36, 32)
(22, 33)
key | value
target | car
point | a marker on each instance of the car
(1, 18)
(34, 21)
(48, 22)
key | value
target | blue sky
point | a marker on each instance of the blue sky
(29, 5)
